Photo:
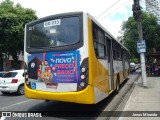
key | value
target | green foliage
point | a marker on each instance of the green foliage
(135, 60)
(12, 22)
(130, 33)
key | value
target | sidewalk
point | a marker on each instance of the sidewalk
(146, 100)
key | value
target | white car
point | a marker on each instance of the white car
(12, 81)
(132, 67)
(132, 64)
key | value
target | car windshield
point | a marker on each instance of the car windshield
(9, 75)
(54, 33)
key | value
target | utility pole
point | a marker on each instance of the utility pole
(137, 16)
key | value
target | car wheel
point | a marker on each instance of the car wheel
(5, 93)
(20, 90)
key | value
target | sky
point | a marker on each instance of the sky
(109, 13)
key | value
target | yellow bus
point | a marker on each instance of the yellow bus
(70, 57)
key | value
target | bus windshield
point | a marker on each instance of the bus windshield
(54, 33)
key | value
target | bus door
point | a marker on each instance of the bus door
(110, 62)
(123, 63)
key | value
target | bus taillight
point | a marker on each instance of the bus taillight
(83, 69)
(83, 75)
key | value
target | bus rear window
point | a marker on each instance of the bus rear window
(54, 33)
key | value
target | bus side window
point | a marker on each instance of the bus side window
(94, 34)
(114, 50)
(101, 51)
(114, 54)
(99, 41)
(96, 48)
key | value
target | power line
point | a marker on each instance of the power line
(107, 9)
(115, 9)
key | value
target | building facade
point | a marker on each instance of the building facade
(153, 7)
(7, 64)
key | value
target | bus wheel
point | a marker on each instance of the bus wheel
(46, 100)
(117, 86)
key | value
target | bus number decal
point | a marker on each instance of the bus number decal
(52, 23)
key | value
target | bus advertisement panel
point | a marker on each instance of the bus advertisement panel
(50, 68)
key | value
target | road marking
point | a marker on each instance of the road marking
(16, 104)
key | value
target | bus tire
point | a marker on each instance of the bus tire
(117, 86)
(47, 100)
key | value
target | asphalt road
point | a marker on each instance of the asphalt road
(62, 110)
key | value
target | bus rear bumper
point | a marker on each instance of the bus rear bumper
(85, 96)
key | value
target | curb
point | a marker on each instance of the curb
(123, 98)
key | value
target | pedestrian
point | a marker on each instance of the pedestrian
(152, 69)
(148, 70)
(159, 69)
(156, 70)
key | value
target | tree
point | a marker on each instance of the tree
(130, 35)
(12, 22)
